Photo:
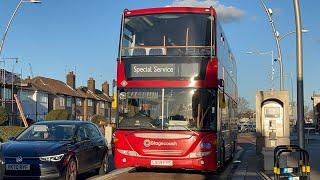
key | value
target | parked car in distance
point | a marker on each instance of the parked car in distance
(55, 149)
(246, 127)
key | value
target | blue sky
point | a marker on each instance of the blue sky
(62, 35)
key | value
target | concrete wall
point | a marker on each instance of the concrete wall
(262, 140)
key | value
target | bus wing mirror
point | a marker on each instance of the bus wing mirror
(221, 83)
(222, 100)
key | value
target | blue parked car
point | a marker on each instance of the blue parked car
(54, 149)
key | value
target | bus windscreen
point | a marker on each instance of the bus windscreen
(167, 109)
(175, 34)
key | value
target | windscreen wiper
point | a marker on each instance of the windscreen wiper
(191, 130)
(185, 127)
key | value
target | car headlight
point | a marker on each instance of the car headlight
(54, 158)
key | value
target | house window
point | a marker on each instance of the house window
(43, 98)
(90, 103)
(7, 94)
(102, 105)
(79, 102)
(61, 101)
(107, 113)
(69, 101)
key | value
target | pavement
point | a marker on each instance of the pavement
(250, 165)
(245, 166)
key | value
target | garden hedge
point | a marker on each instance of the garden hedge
(10, 131)
(58, 114)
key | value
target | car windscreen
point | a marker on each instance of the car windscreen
(48, 132)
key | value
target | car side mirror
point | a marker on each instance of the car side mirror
(12, 139)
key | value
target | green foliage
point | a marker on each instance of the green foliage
(3, 115)
(58, 114)
(10, 131)
(97, 118)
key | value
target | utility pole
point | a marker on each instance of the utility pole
(300, 98)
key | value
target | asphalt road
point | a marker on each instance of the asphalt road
(160, 174)
(245, 141)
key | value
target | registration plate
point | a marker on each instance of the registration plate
(161, 163)
(18, 167)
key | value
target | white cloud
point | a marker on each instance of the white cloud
(226, 13)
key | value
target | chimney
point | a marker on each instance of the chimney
(92, 85)
(105, 88)
(71, 80)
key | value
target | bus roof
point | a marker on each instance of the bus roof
(169, 10)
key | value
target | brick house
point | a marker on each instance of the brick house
(40, 95)
(96, 101)
(60, 95)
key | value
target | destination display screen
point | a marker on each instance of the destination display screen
(170, 68)
(164, 70)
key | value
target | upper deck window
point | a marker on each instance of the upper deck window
(173, 34)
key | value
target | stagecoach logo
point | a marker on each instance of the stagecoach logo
(148, 143)
(19, 159)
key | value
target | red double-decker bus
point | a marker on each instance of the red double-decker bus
(176, 89)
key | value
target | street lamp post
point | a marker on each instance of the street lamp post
(11, 18)
(291, 83)
(272, 60)
(276, 37)
(272, 54)
(292, 32)
(300, 98)
(3, 78)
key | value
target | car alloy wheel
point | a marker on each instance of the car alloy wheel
(104, 165)
(71, 170)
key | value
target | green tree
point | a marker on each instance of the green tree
(58, 114)
(3, 115)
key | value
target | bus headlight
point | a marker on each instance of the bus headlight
(127, 152)
(199, 154)
(204, 145)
